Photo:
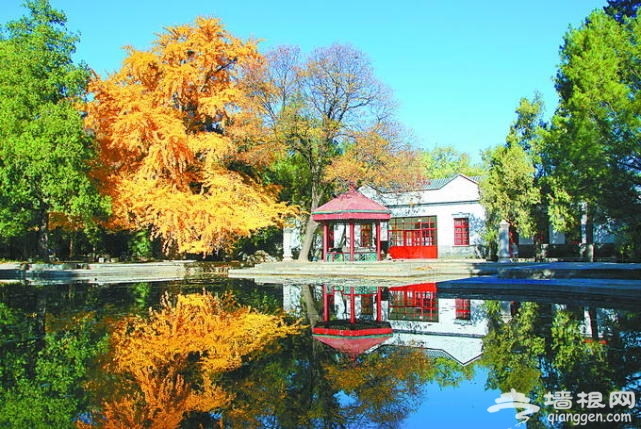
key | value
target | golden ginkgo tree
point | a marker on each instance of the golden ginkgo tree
(177, 156)
(165, 366)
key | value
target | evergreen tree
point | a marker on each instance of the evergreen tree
(621, 9)
(592, 153)
(45, 153)
(510, 189)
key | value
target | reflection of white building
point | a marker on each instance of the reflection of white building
(292, 300)
(445, 327)
(451, 327)
(450, 334)
(448, 327)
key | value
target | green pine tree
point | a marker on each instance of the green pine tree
(45, 154)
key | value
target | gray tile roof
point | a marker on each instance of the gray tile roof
(432, 184)
(435, 184)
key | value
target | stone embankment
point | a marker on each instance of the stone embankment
(109, 272)
(570, 270)
(414, 270)
(596, 282)
(453, 276)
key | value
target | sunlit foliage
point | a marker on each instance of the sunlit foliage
(382, 387)
(176, 156)
(166, 364)
(592, 154)
(446, 161)
(374, 158)
(509, 190)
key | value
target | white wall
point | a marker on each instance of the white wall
(460, 339)
(458, 198)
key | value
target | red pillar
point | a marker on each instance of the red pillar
(352, 305)
(378, 304)
(378, 240)
(351, 240)
(325, 304)
(325, 239)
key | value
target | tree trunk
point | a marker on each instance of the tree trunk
(310, 226)
(594, 323)
(72, 248)
(307, 296)
(587, 234)
(43, 237)
(308, 239)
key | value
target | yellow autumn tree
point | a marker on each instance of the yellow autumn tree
(376, 157)
(178, 157)
(384, 387)
(166, 364)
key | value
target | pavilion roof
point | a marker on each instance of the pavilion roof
(352, 342)
(351, 205)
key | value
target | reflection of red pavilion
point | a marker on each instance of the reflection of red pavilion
(352, 337)
(357, 319)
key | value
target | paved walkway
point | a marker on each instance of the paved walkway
(476, 271)
(414, 269)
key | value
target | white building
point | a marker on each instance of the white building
(443, 219)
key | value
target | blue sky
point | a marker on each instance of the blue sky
(461, 407)
(457, 69)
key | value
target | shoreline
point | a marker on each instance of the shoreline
(110, 272)
(450, 274)
(456, 269)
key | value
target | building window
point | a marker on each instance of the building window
(407, 304)
(461, 231)
(462, 309)
(413, 231)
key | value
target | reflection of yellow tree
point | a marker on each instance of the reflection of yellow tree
(166, 364)
(384, 387)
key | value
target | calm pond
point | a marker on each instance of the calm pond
(381, 356)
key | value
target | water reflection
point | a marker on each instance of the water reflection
(453, 328)
(541, 349)
(82, 355)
